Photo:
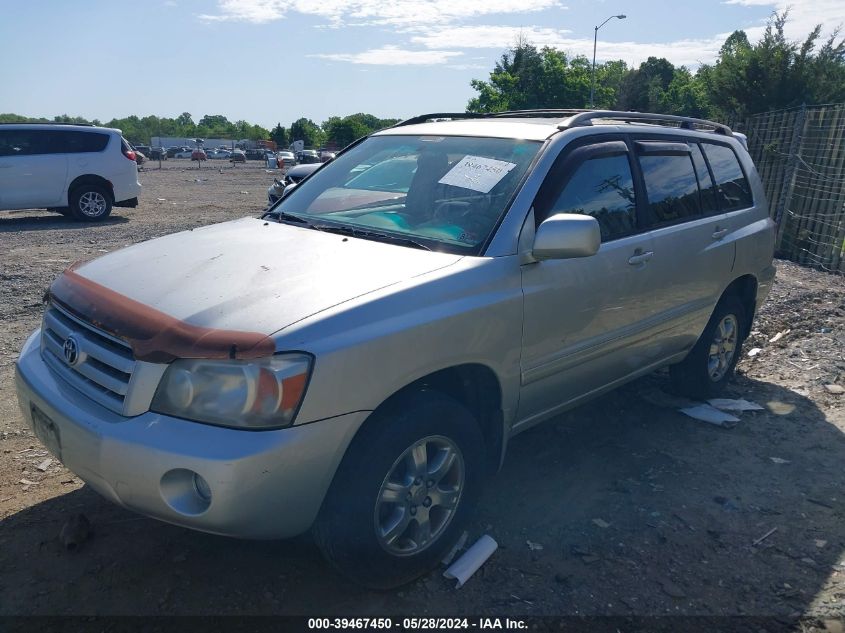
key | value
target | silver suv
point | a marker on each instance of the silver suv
(356, 361)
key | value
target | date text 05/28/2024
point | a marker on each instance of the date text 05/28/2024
(409, 624)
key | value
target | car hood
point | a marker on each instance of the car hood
(253, 275)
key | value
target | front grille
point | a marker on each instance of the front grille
(104, 364)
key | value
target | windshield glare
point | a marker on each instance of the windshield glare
(445, 191)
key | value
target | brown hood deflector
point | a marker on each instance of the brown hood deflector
(155, 337)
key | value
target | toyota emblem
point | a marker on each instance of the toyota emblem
(71, 350)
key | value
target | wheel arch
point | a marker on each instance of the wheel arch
(476, 387)
(90, 179)
(744, 288)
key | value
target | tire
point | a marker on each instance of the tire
(710, 364)
(90, 203)
(375, 489)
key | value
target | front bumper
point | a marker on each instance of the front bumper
(264, 484)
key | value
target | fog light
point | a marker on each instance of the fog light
(185, 491)
(202, 487)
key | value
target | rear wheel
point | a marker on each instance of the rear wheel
(90, 203)
(406, 486)
(710, 364)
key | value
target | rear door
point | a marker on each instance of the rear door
(85, 152)
(586, 320)
(692, 259)
(732, 189)
(32, 173)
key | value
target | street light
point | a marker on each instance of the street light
(595, 39)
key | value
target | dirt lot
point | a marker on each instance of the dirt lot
(630, 507)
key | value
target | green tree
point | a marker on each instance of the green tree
(307, 131)
(17, 118)
(64, 118)
(525, 77)
(279, 135)
(642, 89)
(609, 78)
(775, 72)
(340, 132)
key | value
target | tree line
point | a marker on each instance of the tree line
(746, 78)
(336, 131)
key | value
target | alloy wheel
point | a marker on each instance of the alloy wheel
(419, 496)
(92, 204)
(723, 347)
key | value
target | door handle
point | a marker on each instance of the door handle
(639, 257)
(719, 233)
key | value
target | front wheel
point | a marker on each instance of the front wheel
(403, 492)
(90, 202)
(710, 364)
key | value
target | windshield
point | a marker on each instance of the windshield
(444, 192)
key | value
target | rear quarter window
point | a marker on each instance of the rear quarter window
(732, 188)
(708, 189)
(73, 142)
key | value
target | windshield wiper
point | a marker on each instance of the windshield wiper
(283, 216)
(371, 235)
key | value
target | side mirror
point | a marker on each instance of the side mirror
(567, 235)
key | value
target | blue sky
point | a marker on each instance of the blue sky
(271, 61)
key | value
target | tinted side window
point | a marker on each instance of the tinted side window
(671, 187)
(22, 142)
(603, 188)
(732, 187)
(71, 142)
(705, 182)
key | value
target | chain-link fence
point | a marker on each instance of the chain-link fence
(800, 154)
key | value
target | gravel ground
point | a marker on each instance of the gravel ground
(624, 506)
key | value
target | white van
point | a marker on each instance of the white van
(78, 170)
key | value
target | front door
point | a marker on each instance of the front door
(586, 321)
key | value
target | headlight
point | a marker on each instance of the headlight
(258, 394)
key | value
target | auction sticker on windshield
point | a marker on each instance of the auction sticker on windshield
(477, 173)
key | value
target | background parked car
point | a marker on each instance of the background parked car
(255, 154)
(186, 152)
(237, 156)
(80, 171)
(286, 158)
(157, 153)
(292, 177)
(199, 155)
(307, 156)
(140, 158)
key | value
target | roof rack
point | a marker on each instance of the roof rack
(422, 118)
(551, 113)
(540, 113)
(685, 123)
(577, 118)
